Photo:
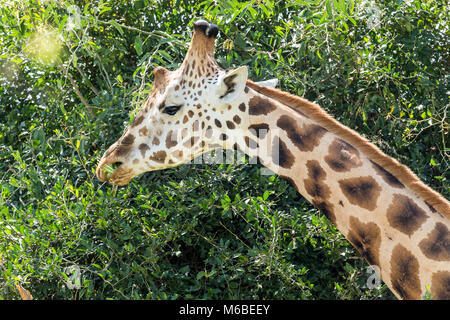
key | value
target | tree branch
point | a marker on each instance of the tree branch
(77, 91)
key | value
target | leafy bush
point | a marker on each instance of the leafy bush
(73, 75)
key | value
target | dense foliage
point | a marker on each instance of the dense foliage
(73, 73)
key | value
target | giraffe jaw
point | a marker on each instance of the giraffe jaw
(121, 176)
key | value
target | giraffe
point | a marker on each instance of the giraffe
(395, 221)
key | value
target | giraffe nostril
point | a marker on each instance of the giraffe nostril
(116, 164)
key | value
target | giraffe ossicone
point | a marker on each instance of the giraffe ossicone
(396, 222)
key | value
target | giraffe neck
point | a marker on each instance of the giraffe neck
(389, 224)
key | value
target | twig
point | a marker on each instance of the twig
(150, 33)
(77, 91)
(87, 80)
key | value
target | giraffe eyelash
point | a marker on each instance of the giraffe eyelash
(171, 109)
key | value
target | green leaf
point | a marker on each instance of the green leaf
(352, 20)
(118, 27)
(138, 45)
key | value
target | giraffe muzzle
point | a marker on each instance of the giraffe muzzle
(114, 173)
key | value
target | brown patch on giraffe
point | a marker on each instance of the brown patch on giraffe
(237, 119)
(143, 148)
(326, 208)
(437, 245)
(260, 106)
(143, 132)
(316, 190)
(440, 285)
(259, 130)
(405, 273)
(314, 185)
(387, 176)
(315, 171)
(405, 215)
(218, 123)
(191, 113)
(155, 141)
(171, 139)
(128, 139)
(366, 238)
(159, 156)
(137, 121)
(124, 147)
(361, 191)
(230, 124)
(305, 138)
(281, 155)
(242, 107)
(185, 119)
(342, 156)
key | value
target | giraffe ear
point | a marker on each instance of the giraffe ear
(232, 84)
(161, 75)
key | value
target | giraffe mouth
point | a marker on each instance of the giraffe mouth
(114, 173)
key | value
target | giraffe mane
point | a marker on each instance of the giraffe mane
(400, 171)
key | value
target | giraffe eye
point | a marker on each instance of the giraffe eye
(171, 110)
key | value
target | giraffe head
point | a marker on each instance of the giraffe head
(187, 113)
